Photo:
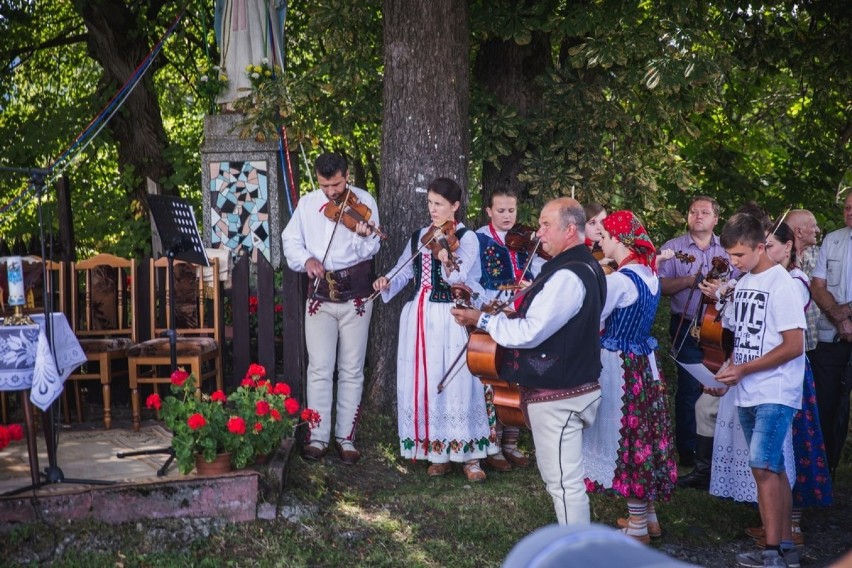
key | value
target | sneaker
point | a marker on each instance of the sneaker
(761, 559)
(792, 557)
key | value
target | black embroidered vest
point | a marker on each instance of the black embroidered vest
(571, 356)
(440, 289)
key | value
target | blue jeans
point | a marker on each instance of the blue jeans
(765, 427)
(688, 387)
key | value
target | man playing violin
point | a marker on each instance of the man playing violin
(678, 280)
(554, 354)
(339, 268)
(504, 270)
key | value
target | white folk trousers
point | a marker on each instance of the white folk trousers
(336, 332)
(557, 428)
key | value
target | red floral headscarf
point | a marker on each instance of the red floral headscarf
(628, 230)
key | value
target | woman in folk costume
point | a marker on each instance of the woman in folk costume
(628, 450)
(451, 426)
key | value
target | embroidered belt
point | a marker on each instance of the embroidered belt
(343, 285)
(532, 395)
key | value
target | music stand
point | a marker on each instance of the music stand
(174, 219)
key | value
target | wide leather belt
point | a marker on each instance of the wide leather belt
(347, 284)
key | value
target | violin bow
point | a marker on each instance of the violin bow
(376, 293)
(445, 380)
(328, 247)
(781, 220)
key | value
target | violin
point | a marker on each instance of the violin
(599, 255)
(522, 238)
(715, 341)
(443, 238)
(667, 254)
(349, 211)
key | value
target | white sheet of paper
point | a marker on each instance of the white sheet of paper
(704, 375)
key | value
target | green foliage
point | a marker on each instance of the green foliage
(644, 105)
(53, 90)
(329, 96)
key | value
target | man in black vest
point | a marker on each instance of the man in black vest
(553, 353)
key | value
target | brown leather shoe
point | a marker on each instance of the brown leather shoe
(474, 472)
(759, 534)
(654, 529)
(643, 538)
(437, 469)
(516, 457)
(315, 451)
(498, 463)
(347, 452)
(798, 540)
(756, 532)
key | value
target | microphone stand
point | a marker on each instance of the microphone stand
(52, 473)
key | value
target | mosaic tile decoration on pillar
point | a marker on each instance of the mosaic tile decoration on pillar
(239, 207)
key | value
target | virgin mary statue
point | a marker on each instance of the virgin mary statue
(249, 32)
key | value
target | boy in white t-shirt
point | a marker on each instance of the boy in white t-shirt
(765, 370)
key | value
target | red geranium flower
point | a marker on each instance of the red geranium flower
(261, 408)
(219, 396)
(256, 371)
(236, 425)
(153, 401)
(291, 405)
(275, 415)
(311, 416)
(247, 382)
(196, 421)
(258, 427)
(281, 388)
(279, 308)
(5, 437)
(16, 432)
(179, 377)
(252, 304)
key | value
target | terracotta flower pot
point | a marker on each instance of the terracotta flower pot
(220, 465)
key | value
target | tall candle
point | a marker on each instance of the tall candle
(15, 277)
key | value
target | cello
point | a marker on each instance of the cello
(484, 358)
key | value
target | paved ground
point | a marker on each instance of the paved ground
(87, 453)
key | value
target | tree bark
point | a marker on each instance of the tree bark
(118, 41)
(425, 134)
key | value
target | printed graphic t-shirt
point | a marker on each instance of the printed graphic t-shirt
(765, 305)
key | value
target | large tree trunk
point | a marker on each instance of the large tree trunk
(425, 134)
(117, 41)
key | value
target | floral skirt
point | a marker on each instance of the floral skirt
(628, 450)
(813, 482)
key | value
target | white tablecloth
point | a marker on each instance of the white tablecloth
(26, 361)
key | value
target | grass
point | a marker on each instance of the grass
(387, 512)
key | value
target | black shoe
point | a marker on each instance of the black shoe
(695, 480)
(687, 459)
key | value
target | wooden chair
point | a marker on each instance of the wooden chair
(199, 323)
(103, 316)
